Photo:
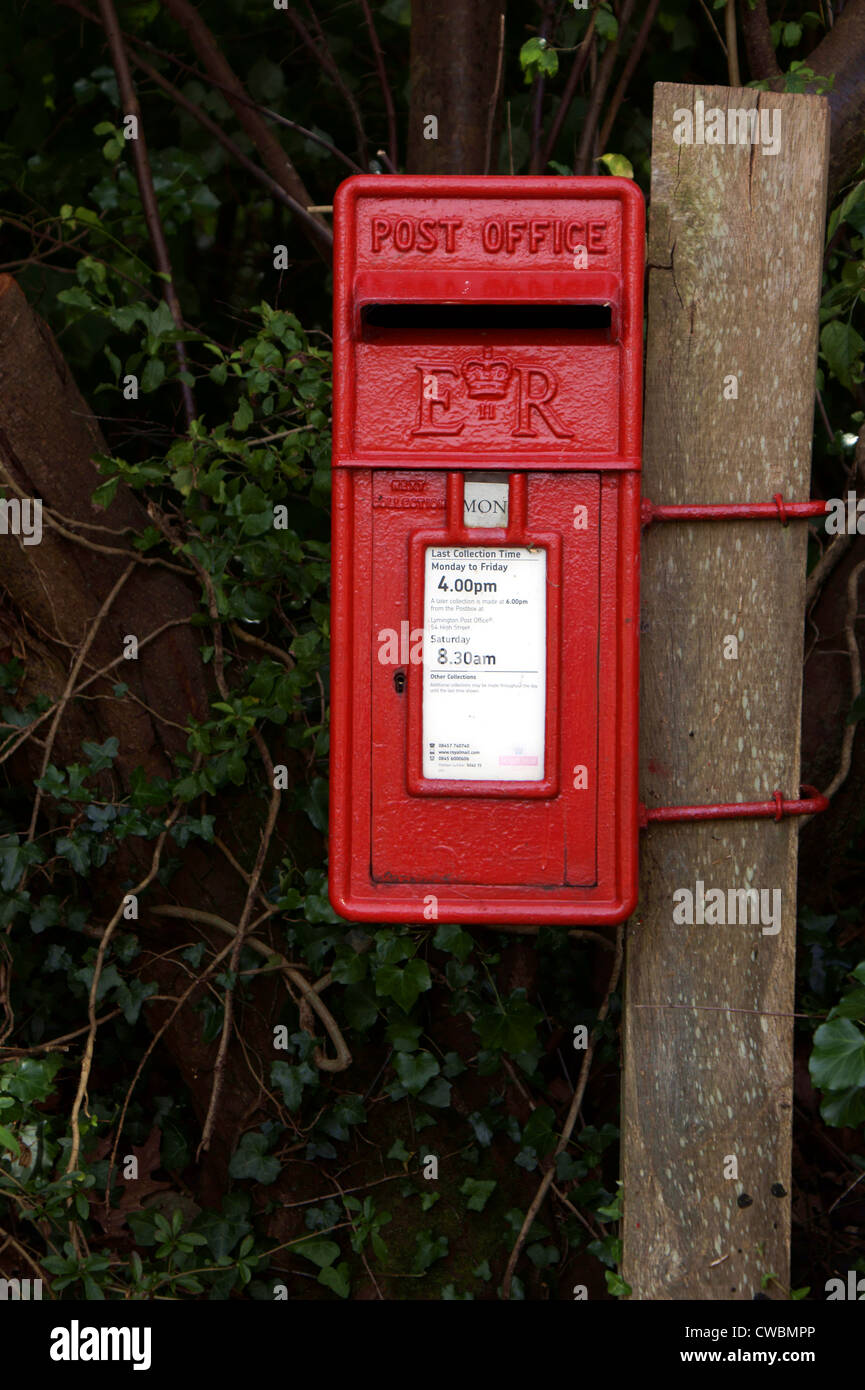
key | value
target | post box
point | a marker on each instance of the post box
(486, 533)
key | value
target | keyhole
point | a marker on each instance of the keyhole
(399, 681)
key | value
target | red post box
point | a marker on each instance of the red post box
(486, 533)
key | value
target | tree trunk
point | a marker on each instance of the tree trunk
(456, 51)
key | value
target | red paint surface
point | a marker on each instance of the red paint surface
(558, 410)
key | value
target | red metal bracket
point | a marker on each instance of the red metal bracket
(775, 809)
(732, 511)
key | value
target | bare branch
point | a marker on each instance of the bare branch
(571, 1119)
(628, 71)
(393, 147)
(732, 46)
(570, 91)
(584, 159)
(273, 156)
(146, 191)
(322, 54)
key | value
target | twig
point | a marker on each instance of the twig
(239, 96)
(9, 1239)
(392, 145)
(60, 1044)
(627, 72)
(845, 1193)
(581, 934)
(713, 26)
(234, 961)
(149, 203)
(46, 714)
(263, 646)
(855, 680)
(570, 91)
(599, 91)
(837, 549)
(309, 991)
(732, 49)
(321, 52)
(538, 103)
(90, 1045)
(273, 156)
(67, 693)
(570, 1121)
(495, 96)
(196, 984)
(275, 189)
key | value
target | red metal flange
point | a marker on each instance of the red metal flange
(732, 511)
(809, 805)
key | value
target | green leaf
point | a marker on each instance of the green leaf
(616, 1285)
(337, 1278)
(453, 939)
(619, 165)
(429, 1249)
(32, 1079)
(243, 417)
(361, 1010)
(842, 348)
(606, 24)
(153, 374)
(104, 494)
(415, 1069)
(8, 1140)
(851, 1005)
(478, 1191)
(403, 1035)
(844, 1108)
(320, 1251)
(403, 983)
(250, 1159)
(838, 1058)
(509, 1027)
(840, 214)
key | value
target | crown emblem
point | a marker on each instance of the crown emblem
(487, 380)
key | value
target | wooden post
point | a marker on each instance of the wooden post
(735, 252)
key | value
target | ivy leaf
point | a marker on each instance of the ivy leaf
(415, 1069)
(616, 1285)
(250, 1159)
(336, 1277)
(851, 1005)
(478, 1191)
(320, 1251)
(509, 1027)
(437, 1093)
(361, 1010)
(838, 1058)
(402, 1034)
(429, 1249)
(403, 983)
(453, 939)
(843, 1108)
(33, 1078)
(842, 348)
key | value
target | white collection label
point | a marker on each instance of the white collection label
(485, 660)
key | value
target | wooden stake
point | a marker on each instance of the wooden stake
(735, 253)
